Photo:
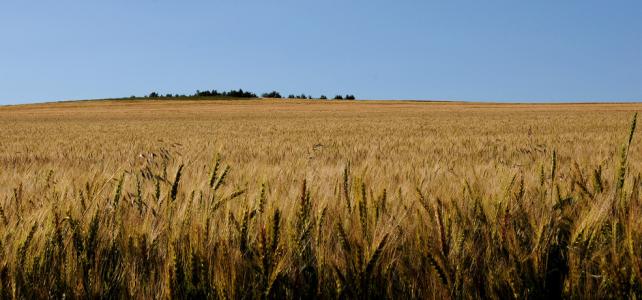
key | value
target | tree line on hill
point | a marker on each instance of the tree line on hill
(240, 93)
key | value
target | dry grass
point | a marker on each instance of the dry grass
(327, 199)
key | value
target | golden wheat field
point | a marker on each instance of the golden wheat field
(245, 199)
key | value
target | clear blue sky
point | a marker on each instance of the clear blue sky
(469, 50)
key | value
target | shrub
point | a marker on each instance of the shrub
(272, 94)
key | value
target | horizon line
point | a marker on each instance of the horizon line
(285, 99)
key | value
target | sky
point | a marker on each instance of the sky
(520, 51)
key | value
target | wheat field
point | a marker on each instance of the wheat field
(246, 199)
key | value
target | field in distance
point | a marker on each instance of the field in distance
(389, 144)
(356, 199)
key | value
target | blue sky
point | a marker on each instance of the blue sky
(467, 50)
